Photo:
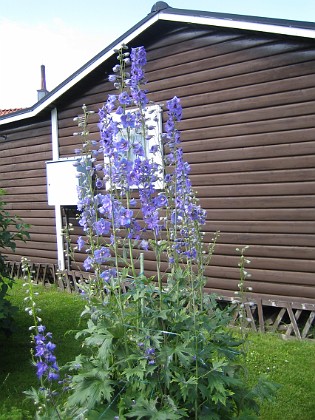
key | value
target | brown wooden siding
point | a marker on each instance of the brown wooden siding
(23, 176)
(248, 133)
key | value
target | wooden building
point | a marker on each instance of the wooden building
(247, 87)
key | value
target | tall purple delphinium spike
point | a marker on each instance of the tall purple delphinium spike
(186, 216)
(138, 61)
(43, 356)
(131, 165)
(148, 170)
(46, 362)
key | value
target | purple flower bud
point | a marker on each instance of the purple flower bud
(144, 244)
(124, 98)
(50, 346)
(154, 148)
(53, 376)
(41, 328)
(87, 264)
(99, 183)
(80, 242)
(101, 255)
(41, 369)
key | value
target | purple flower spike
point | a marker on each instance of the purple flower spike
(46, 361)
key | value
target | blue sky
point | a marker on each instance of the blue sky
(64, 34)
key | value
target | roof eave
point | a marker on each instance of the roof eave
(240, 24)
(169, 14)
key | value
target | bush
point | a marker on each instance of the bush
(12, 228)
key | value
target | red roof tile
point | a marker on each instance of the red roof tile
(8, 111)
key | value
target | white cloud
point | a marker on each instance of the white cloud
(60, 47)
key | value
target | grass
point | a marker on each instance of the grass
(288, 363)
(60, 314)
(291, 364)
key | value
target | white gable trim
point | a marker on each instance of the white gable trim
(235, 24)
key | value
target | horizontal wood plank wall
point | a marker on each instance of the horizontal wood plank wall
(248, 132)
(23, 176)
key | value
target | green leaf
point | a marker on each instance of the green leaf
(136, 371)
(146, 408)
(184, 354)
(184, 384)
(163, 314)
(218, 364)
(90, 389)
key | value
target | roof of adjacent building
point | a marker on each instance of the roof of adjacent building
(9, 111)
(161, 11)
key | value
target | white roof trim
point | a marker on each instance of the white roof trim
(237, 24)
(201, 20)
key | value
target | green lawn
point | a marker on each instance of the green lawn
(289, 363)
(60, 312)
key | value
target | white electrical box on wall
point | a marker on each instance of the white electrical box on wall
(62, 182)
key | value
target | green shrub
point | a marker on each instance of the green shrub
(11, 229)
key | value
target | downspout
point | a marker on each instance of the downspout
(58, 214)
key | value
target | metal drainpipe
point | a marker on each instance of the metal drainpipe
(58, 214)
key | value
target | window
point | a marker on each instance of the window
(153, 119)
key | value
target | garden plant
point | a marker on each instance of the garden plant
(12, 229)
(154, 347)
